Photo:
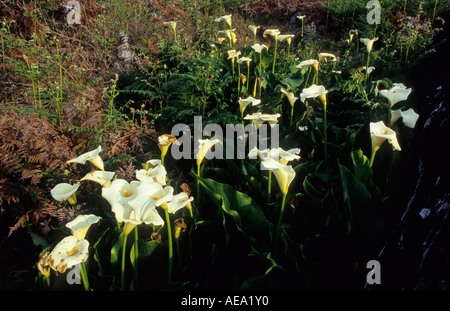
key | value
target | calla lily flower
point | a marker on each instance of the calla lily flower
(368, 43)
(284, 174)
(290, 95)
(244, 59)
(178, 202)
(226, 18)
(91, 156)
(396, 94)
(65, 191)
(370, 70)
(379, 132)
(254, 30)
(301, 17)
(288, 38)
(252, 117)
(259, 47)
(204, 146)
(409, 117)
(221, 39)
(101, 177)
(315, 91)
(272, 119)
(272, 32)
(164, 141)
(149, 196)
(284, 156)
(81, 224)
(233, 54)
(326, 56)
(69, 252)
(156, 174)
(243, 103)
(310, 62)
(118, 195)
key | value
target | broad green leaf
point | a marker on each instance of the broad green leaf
(145, 250)
(247, 215)
(361, 213)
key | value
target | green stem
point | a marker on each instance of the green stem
(275, 54)
(280, 218)
(435, 6)
(372, 157)
(307, 77)
(136, 250)
(292, 113)
(325, 143)
(269, 186)
(122, 268)
(248, 73)
(239, 78)
(84, 276)
(169, 236)
(367, 66)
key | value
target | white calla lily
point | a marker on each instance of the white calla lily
(379, 132)
(102, 177)
(244, 102)
(409, 117)
(259, 47)
(272, 119)
(118, 195)
(91, 156)
(65, 191)
(315, 91)
(204, 146)
(284, 174)
(368, 43)
(81, 224)
(326, 56)
(155, 174)
(396, 94)
(69, 252)
(149, 196)
(272, 32)
(284, 156)
(290, 95)
(178, 202)
(309, 63)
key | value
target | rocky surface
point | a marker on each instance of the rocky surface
(415, 254)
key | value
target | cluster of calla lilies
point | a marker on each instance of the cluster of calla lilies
(284, 173)
(133, 203)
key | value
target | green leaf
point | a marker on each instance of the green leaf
(246, 214)
(362, 216)
(145, 250)
(361, 166)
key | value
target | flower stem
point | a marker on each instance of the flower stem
(136, 250)
(372, 157)
(84, 276)
(434, 11)
(325, 143)
(280, 218)
(269, 186)
(275, 54)
(169, 236)
(122, 268)
(367, 66)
